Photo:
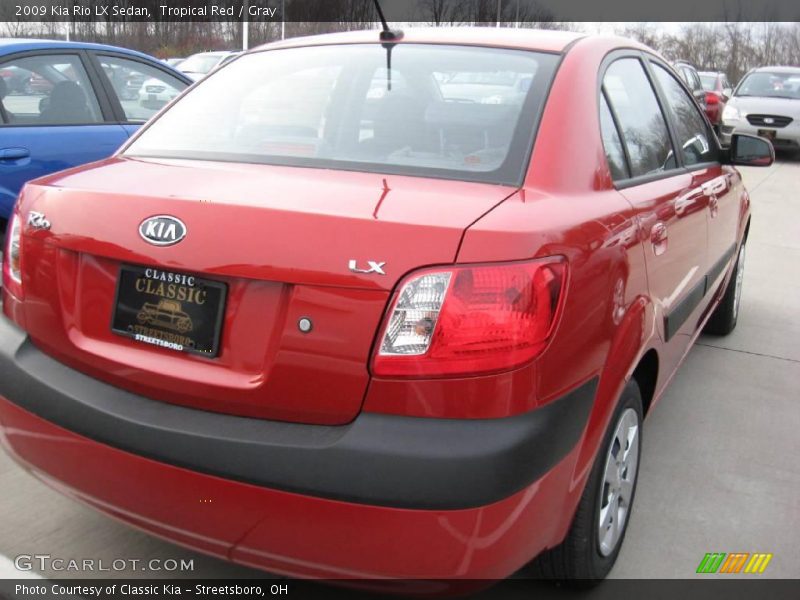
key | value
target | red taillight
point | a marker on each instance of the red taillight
(12, 257)
(470, 320)
(712, 98)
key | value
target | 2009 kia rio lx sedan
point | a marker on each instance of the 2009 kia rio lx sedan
(336, 318)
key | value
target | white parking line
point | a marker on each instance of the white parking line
(9, 571)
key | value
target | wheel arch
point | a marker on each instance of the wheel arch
(630, 355)
(646, 376)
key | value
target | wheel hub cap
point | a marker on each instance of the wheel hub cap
(619, 477)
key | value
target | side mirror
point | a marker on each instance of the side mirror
(726, 93)
(750, 151)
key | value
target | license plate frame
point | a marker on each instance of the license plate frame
(769, 134)
(174, 310)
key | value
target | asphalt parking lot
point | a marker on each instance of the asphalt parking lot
(719, 472)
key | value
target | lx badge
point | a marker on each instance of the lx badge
(374, 267)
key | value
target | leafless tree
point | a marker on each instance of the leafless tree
(733, 47)
(646, 33)
(440, 12)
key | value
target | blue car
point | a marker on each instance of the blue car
(63, 104)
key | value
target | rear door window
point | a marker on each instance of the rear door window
(49, 89)
(642, 124)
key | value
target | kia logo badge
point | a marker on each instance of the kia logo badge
(162, 230)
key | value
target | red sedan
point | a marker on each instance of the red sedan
(330, 332)
(718, 92)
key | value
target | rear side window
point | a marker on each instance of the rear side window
(48, 89)
(611, 142)
(644, 130)
(440, 111)
(693, 137)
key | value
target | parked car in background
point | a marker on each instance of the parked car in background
(173, 62)
(691, 77)
(79, 103)
(126, 82)
(718, 90)
(38, 84)
(199, 65)
(766, 103)
(451, 380)
(16, 80)
(154, 94)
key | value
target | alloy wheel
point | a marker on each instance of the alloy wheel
(619, 477)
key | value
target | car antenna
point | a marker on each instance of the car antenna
(389, 37)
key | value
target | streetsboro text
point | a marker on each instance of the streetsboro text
(183, 12)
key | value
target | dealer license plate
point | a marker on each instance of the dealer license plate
(177, 311)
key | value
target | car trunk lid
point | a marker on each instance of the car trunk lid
(283, 243)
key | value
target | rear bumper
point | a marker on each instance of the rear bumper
(415, 489)
(385, 460)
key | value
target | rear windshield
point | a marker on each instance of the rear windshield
(431, 110)
(709, 82)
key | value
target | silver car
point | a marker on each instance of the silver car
(199, 65)
(766, 103)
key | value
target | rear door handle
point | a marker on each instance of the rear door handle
(714, 187)
(687, 202)
(14, 153)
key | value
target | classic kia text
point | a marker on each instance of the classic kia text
(398, 304)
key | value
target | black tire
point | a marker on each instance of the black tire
(723, 319)
(578, 560)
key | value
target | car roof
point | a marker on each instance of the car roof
(711, 73)
(777, 69)
(11, 45)
(214, 53)
(505, 37)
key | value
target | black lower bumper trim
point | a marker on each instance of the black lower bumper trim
(384, 460)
